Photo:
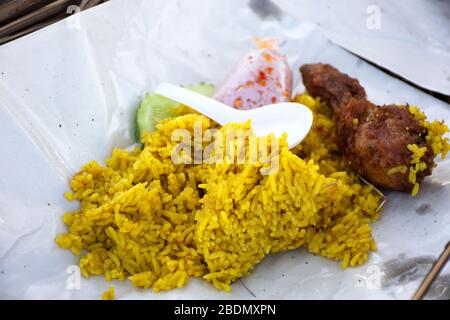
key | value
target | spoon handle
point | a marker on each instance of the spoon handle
(211, 108)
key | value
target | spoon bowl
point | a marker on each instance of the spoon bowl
(294, 119)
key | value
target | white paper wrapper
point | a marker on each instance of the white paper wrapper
(410, 38)
(68, 96)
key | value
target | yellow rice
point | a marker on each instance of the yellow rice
(435, 137)
(143, 218)
(109, 295)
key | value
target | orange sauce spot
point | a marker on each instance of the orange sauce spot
(238, 103)
(268, 57)
(266, 43)
(269, 70)
(262, 83)
(262, 75)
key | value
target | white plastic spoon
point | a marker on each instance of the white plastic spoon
(294, 119)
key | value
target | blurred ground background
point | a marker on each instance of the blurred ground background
(420, 23)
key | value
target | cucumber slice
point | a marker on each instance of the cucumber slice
(154, 108)
(203, 88)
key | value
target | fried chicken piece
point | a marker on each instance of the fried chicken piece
(372, 139)
(335, 88)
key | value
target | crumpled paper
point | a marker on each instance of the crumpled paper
(68, 95)
(410, 38)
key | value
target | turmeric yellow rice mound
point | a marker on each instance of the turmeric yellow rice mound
(145, 218)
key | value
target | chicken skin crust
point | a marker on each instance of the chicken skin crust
(373, 139)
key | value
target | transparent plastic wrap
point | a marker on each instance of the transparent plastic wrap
(68, 95)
